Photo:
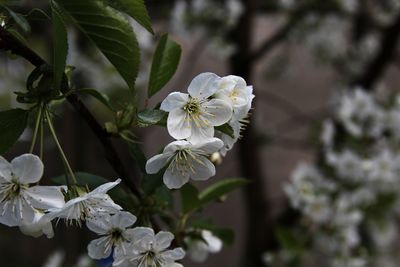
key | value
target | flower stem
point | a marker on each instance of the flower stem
(36, 130)
(53, 133)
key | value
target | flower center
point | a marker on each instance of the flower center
(11, 190)
(193, 106)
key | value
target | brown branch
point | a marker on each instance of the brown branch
(9, 43)
(377, 66)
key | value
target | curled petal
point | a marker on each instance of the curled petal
(104, 188)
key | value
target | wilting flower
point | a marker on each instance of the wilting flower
(185, 161)
(150, 250)
(88, 205)
(193, 116)
(18, 199)
(199, 249)
(114, 232)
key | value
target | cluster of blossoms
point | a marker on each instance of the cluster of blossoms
(33, 207)
(211, 101)
(205, 17)
(350, 202)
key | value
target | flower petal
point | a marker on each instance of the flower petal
(174, 179)
(163, 240)
(104, 188)
(16, 212)
(201, 134)
(100, 225)
(211, 146)
(100, 248)
(28, 168)
(156, 163)
(5, 169)
(217, 112)
(178, 124)
(45, 197)
(123, 219)
(203, 85)
(40, 225)
(176, 145)
(174, 100)
(174, 254)
(203, 169)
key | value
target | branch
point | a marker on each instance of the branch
(383, 57)
(9, 43)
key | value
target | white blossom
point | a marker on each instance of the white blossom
(149, 250)
(88, 205)
(199, 249)
(19, 200)
(185, 161)
(41, 225)
(114, 232)
(193, 116)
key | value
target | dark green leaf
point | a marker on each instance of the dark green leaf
(12, 124)
(164, 196)
(60, 40)
(19, 19)
(37, 14)
(189, 196)
(138, 156)
(165, 63)
(134, 8)
(226, 129)
(96, 94)
(151, 116)
(151, 182)
(217, 190)
(110, 31)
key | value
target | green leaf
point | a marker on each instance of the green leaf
(103, 98)
(189, 197)
(19, 19)
(12, 124)
(37, 14)
(164, 196)
(138, 156)
(217, 190)
(135, 9)
(149, 117)
(60, 40)
(110, 31)
(226, 129)
(165, 63)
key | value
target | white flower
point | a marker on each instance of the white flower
(150, 250)
(41, 225)
(18, 199)
(88, 205)
(328, 133)
(234, 90)
(193, 116)
(114, 232)
(199, 249)
(185, 161)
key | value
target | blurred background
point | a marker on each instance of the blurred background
(299, 55)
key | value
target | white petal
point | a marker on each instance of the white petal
(100, 225)
(202, 169)
(211, 146)
(16, 212)
(45, 197)
(198, 251)
(99, 248)
(178, 124)
(28, 168)
(142, 238)
(123, 219)
(5, 169)
(201, 134)
(174, 254)
(174, 179)
(104, 188)
(163, 240)
(217, 112)
(204, 85)
(101, 204)
(156, 163)
(213, 242)
(41, 225)
(174, 100)
(176, 145)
